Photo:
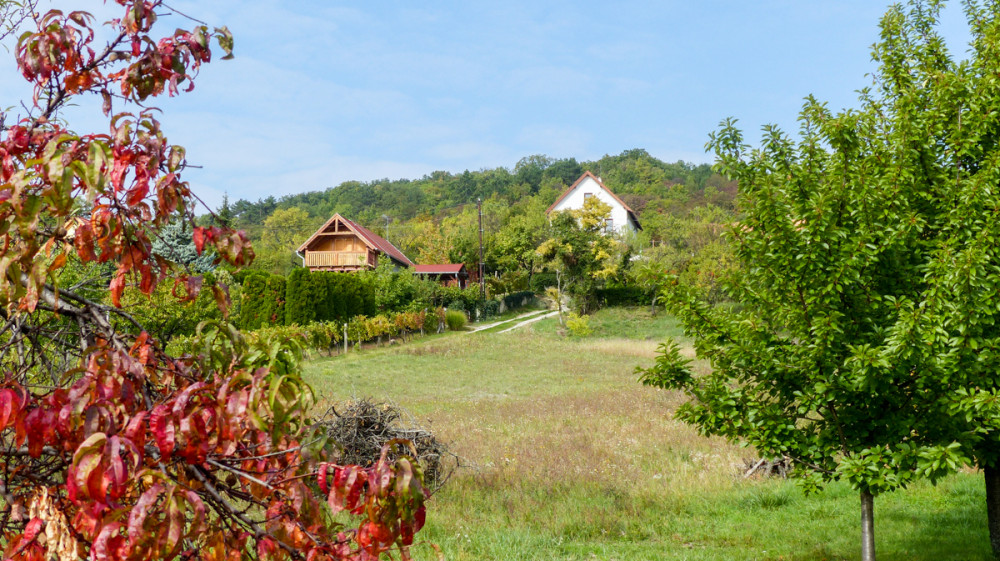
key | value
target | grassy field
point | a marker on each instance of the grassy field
(573, 459)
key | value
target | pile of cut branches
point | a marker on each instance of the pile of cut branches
(767, 467)
(361, 428)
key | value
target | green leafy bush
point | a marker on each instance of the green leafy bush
(431, 321)
(541, 281)
(579, 326)
(517, 300)
(456, 320)
(623, 296)
(305, 297)
(262, 301)
(489, 309)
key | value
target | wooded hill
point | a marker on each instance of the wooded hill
(433, 219)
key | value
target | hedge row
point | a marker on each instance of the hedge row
(517, 300)
(270, 300)
(263, 300)
(623, 296)
(306, 297)
(336, 297)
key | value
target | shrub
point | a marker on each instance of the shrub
(541, 281)
(489, 309)
(623, 296)
(263, 301)
(430, 321)
(305, 297)
(579, 326)
(456, 320)
(517, 300)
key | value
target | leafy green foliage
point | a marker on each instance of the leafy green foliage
(456, 320)
(578, 326)
(116, 450)
(434, 219)
(583, 257)
(175, 243)
(864, 342)
(305, 296)
(263, 300)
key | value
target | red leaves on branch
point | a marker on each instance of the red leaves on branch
(136, 455)
(100, 426)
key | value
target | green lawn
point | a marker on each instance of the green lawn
(573, 459)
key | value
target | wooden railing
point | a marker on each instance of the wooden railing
(336, 258)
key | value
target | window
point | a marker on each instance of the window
(587, 196)
(609, 225)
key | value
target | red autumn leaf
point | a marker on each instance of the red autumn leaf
(321, 478)
(163, 430)
(141, 511)
(200, 236)
(117, 287)
(9, 406)
(32, 530)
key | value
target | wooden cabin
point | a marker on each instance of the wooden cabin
(344, 246)
(447, 274)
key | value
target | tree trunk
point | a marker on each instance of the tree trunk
(867, 526)
(992, 475)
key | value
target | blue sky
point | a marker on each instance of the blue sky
(322, 91)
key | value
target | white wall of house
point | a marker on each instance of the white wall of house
(576, 197)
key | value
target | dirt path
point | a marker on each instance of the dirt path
(526, 322)
(517, 321)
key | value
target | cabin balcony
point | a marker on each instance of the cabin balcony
(340, 259)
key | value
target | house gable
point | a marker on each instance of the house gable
(623, 218)
(343, 236)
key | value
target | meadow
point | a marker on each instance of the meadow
(570, 458)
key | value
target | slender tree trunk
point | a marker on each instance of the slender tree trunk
(867, 526)
(992, 475)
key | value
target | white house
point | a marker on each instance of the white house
(623, 219)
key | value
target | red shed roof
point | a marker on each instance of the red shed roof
(373, 240)
(438, 269)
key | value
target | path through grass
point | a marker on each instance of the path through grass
(577, 461)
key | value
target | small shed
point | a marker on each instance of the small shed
(448, 274)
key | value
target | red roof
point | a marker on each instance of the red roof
(381, 243)
(577, 183)
(442, 268)
(372, 240)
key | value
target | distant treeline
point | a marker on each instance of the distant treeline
(682, 208)
(634, 175)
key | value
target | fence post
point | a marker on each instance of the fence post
(345, 338)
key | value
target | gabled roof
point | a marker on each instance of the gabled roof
(586, 174)
(371, 239)
(439, 269)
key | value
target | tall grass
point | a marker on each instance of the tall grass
(573, 459)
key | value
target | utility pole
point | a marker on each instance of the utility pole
(386, 227)
(482, 265)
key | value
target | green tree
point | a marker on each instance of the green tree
(305, 296)
(864, 344)
(580, 253)
(284, 231)
(175, 243)
(224, 215)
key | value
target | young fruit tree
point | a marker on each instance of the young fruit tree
(864, 345)
(110, 449)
